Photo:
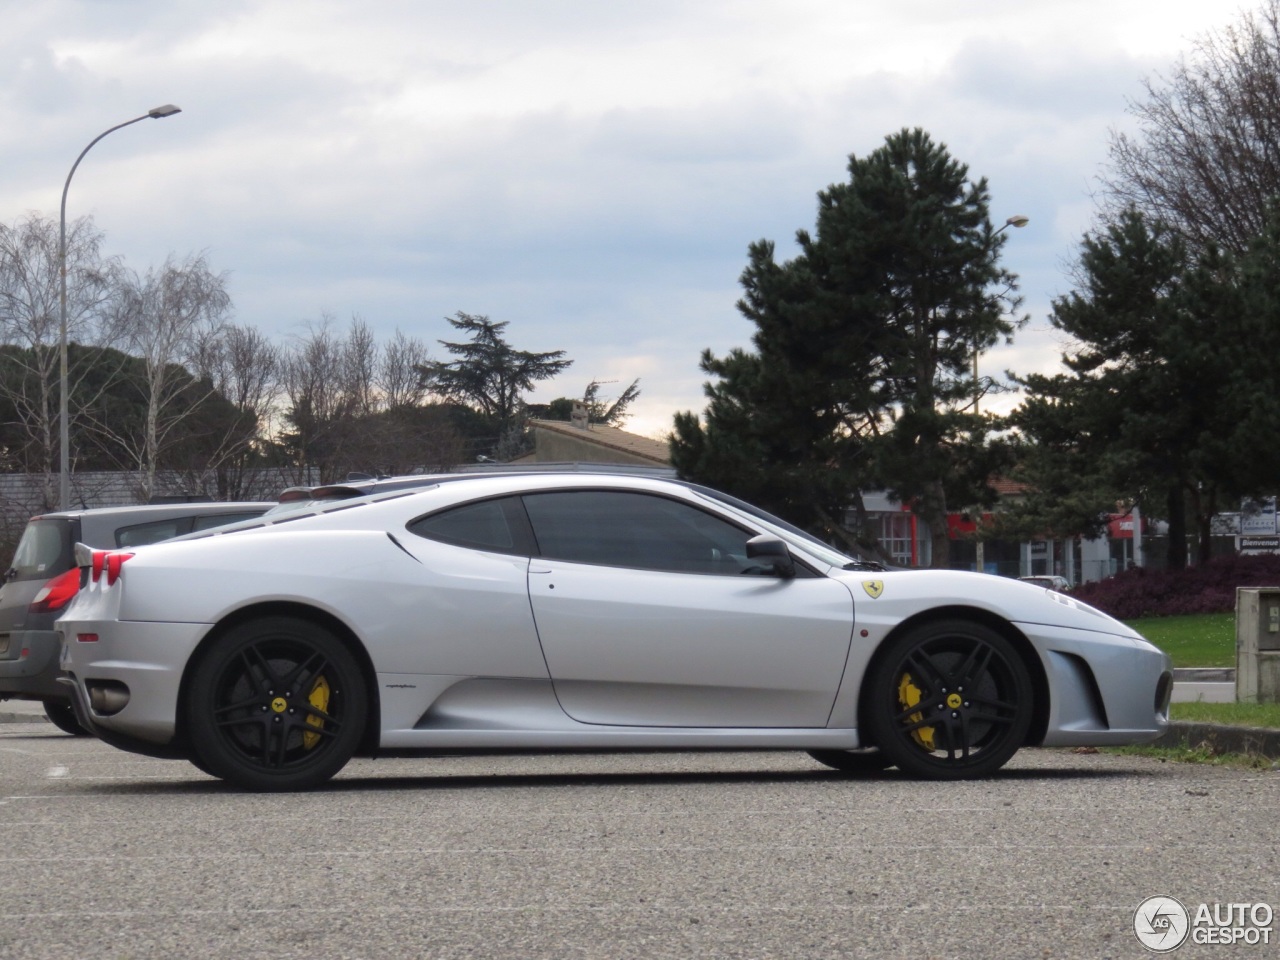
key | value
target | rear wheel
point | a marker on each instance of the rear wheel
(276, 704)
(949, 700)
(63, 717)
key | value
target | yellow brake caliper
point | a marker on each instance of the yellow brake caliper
(909, 695)
(319, 698)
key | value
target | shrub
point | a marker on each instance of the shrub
(1210, 588)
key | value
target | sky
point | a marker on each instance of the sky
(590, 172)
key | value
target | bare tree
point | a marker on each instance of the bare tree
(353, 406)
(360, 357)
(1206, 156)
(314, 378)
(163, 318)
(30, 331)
(398, 381)
(244, 368)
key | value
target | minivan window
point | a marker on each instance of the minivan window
(44, 550)
(141, 534)
(221, 519)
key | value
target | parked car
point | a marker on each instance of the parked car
(43, 578)
(1049, 582)
(578, 612)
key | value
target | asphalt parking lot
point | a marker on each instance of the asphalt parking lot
(104, 854)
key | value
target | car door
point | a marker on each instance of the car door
(650, 614)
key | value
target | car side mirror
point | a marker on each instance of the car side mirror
(775, 557)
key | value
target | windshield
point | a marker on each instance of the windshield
(44, 550)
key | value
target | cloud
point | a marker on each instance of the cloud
(591, 172)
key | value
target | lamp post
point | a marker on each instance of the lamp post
(980, 559)
(64, 428)
(1017, 220)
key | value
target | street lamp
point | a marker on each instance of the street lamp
(64, 429)
(1017, 220)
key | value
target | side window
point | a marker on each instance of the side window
(144, 533)
(484, 525)
(219, 519)
(621, 529)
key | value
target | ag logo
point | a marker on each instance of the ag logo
(1161, 924)
(873, 587)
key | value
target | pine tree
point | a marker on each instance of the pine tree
(862, 371)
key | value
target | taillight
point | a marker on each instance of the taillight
(57, 593)
(108, 562)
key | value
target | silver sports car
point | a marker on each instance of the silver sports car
(580, 612)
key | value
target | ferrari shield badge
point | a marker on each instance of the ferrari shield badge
(873, 587)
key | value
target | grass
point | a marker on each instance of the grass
(1197, 755)
(1195, 640)
(1265, 715)
(1230, 714)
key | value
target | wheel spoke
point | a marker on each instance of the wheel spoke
(995, 719)
(244, 720)
(304, 672)
(328, 720)
(949, 740)
(924, 668)
(282, 747)
(913, 718)
(258, 668)
(966, 735)
(220, 712)
(975, 664)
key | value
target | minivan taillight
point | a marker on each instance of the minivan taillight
(57, 593)
(108, 562)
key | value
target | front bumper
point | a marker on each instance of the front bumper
(1106, 690)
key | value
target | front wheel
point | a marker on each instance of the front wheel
(276, 704)
(62, 716)
(949, 700)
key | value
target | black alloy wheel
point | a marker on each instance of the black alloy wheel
(276, 704)
(949, 700)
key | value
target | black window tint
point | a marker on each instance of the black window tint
(614, 528)
(483, 526)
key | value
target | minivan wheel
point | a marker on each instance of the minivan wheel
(63, 717)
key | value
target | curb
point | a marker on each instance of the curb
(23, 718)
(1255, 741)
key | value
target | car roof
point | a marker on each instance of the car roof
(346, 497)
(158, 511)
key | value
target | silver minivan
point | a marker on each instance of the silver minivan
(43, 578)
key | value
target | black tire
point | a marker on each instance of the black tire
(63, 717)
(857, 762)
(276, 704)
(949, 700)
